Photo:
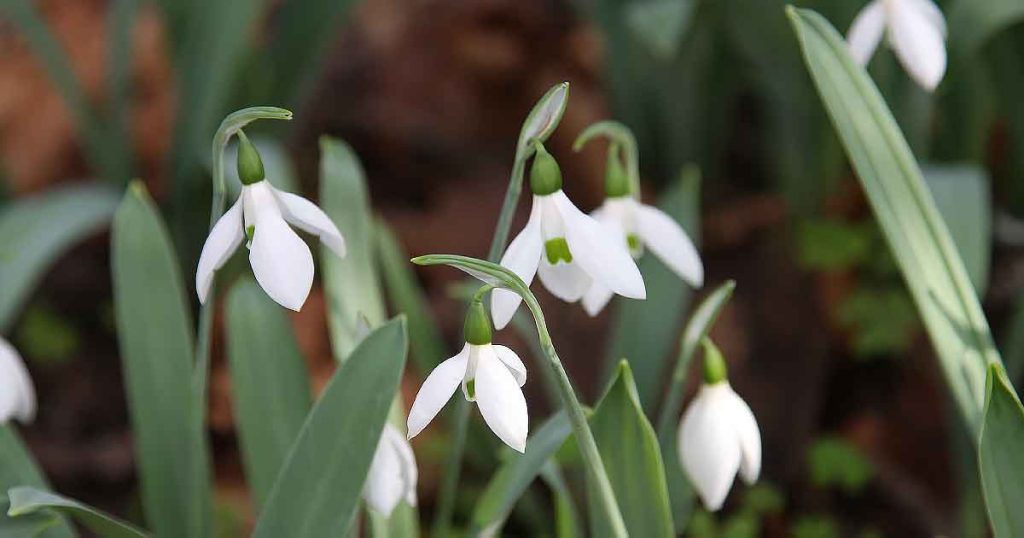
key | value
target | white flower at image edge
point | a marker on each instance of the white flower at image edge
(569, 251)
(642, 226)
(280, 259)
(17, 395)
(718, 437)
(393, 474)
(916, 31)
(492, 376)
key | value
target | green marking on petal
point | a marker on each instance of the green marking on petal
(634, 242)
(250, 231)
(471, 389)
(557, 249)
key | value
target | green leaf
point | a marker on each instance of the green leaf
(406, 296)
(269, 383)
(567, 521)
(18, 468)
(317, 492)
(907, 214)
(350, 283)
(973, 23)
(643, 332)
(835, 461)
(509, 483)
(28, 500)
(660, 24)
(1000, 449)
(632, 458)
(962, 196)
(681, 494)
(156, 343)
(35, 231)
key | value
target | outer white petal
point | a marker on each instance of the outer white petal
(385, 485)
(866, 32)
(749, 439)
(919, 42)
(669, 242)
(567, 281)
(596, 298)
(599, 251)
(437, 389)
(311, 219)
(501, 401)
(708, 447)
(521, 258)
(931, 11)
(410, 473)
(224, 238)
(513, 362)
(17, 394)
(281, 261)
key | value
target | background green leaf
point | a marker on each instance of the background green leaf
(269, 383)
(972, 23)
(962, 196)
(1000, 450)
(318, 490)
(18, 468)
(156, 343)
(28, 500)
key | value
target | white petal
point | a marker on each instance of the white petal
(599, 251)
(567, 281)
(919, 42)
(410, 473)
(596, 298)
(932, 11)
(708, 448)
(501, 402)
(866, 32)
(311, 219)
(437, 389)
(749, 438)
(513, 362)
(521, 258)
(224, 238)
(669, 242)
(281, 261)
(17, 394)
(384, 486)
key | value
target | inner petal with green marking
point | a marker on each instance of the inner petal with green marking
(634, 242)
(556, 250)
(250, 232)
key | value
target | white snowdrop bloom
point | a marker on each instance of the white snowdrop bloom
(17, 395)
(640, 225)
(718, 436)
(490, 375)
(393, 473)
(916, 31)
(280, 259)
(565, 247)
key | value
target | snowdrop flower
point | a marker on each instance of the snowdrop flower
(17, 395)
(640, 225)
(490, 375)
(916, 31)
(280, 259)
(566, 248)
(393, 473)
(718, 435)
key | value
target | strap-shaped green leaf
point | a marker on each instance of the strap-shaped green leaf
(156, 343)
(1001, 455)
(28, 500)
(632, 458)
(317, 492)
(917, 236)
(269, 383)
(35, 231)
(18, 468)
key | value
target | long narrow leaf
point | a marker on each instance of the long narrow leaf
(317, 492)
(28, 500)
(18, 468)
(269, 384)
(156, 343)
(1000, 450)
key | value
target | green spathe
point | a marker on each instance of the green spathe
(250, 165)
(545, 175)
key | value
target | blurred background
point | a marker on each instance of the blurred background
(821, 336)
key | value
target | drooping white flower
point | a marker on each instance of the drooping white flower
(565, 247)
(916, 31)
(640, 225)
(17, 395)
(718, 436)
(490, 375)
(393, 473)
(280, 259)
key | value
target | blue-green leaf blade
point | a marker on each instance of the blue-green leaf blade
(1001, 455)
(18, 468)
(28, 500)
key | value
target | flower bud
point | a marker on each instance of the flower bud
(545, 176)
(477, 328)
(250, 165)
(616, 180)
(715, 370)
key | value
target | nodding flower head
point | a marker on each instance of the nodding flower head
(916, 31)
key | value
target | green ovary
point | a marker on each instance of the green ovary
(557, 250)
